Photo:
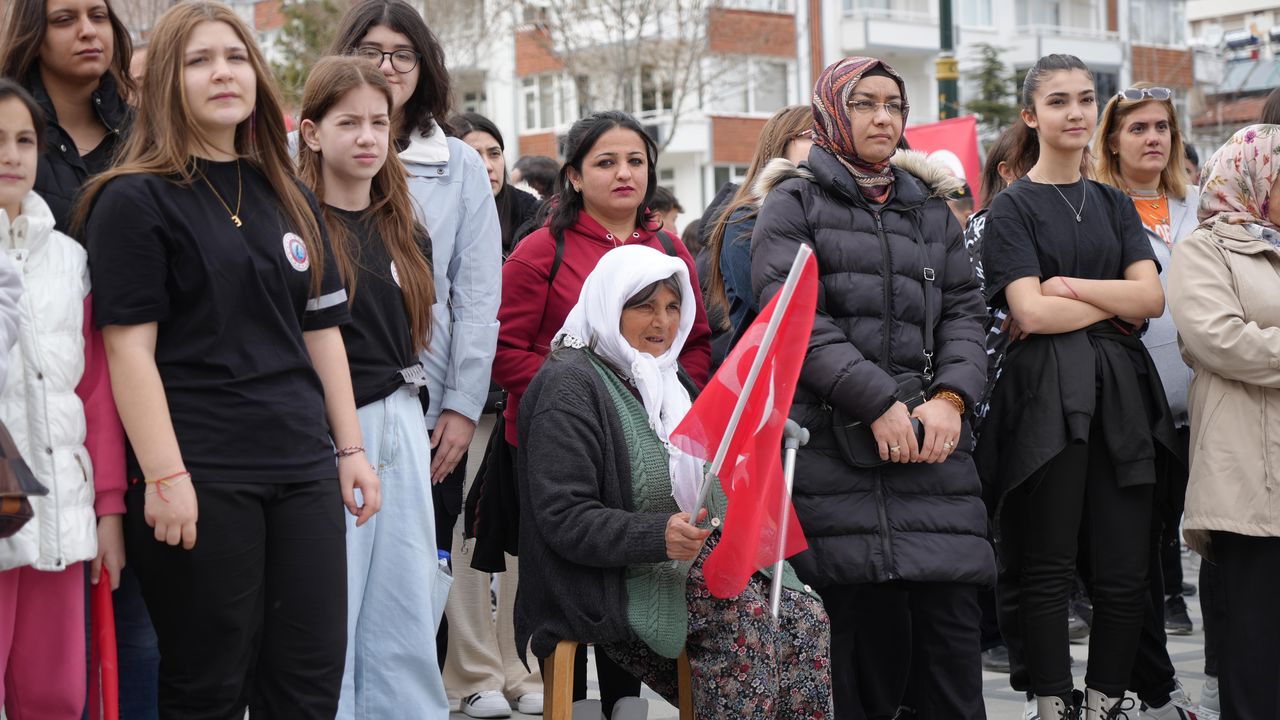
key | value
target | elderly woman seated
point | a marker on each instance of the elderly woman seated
(605, 503)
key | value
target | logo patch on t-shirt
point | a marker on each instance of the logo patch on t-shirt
(295, 251)
(395, 274)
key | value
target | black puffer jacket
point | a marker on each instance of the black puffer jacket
(62, 172)
(909, 522)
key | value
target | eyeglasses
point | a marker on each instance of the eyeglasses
(402, 61)
(866, 107)
(1136, 94)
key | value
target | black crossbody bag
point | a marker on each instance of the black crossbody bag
(854, 438)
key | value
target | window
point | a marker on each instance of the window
(1107, 84)
(655, 93)
(544, 101)
(975, 13)
(473, 101)
(667, 179)
(729, 173)
(763, 88)
(771, 86)
(1159, 22)
(1078, 14)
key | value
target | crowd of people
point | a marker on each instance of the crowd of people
(359, 423)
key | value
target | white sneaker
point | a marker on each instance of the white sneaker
(1210, 705)
(486, 704)
(1031, 711)
(529, 704)
(1179, 707)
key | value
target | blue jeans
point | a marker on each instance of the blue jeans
(137, 650)
(393, 609)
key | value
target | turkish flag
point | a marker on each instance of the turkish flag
(954, 143)
(752, 472)
(104, 679)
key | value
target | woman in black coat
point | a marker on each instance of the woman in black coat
(74, 58)
(912, 531)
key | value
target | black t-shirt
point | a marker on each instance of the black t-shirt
(231, 306)
(1031, 231)
(378, 339)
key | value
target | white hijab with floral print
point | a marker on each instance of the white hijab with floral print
(1238, 178)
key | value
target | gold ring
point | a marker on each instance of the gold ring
(895, 448)
(948, 445)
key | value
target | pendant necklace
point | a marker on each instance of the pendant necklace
(1083, 199)
(235, 215)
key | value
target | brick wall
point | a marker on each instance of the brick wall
(733, 139)
(533, 53)
(539, 144)
(268, 15)
(748, 32)
(1162, 66)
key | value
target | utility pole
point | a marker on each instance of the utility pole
(947, 68)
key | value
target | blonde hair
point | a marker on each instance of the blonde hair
(165, 134)
(390, 207)
(1173, 179)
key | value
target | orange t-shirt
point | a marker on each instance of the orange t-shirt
(1154, 211)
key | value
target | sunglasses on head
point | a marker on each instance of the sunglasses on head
(1155, 93)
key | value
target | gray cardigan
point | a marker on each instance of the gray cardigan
(578, 532)
(1161, 337)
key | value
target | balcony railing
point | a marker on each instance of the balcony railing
(908, 11)
(1066, 31)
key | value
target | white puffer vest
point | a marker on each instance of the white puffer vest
(39, 404)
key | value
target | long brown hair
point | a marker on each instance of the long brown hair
(164, 133)
(785, 125)
(1173, 179)
(22, 34)
(330, 80)
(432, 100)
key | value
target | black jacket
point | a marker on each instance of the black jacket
(910, 522)
(62, 172)
(1098, 374)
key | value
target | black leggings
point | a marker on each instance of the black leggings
(1041, 527)
(256, 613)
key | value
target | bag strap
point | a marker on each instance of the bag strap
(929, 277)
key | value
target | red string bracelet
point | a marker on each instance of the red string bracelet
(167, 482)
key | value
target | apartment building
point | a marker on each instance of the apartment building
(1236, 44)
(528, 64)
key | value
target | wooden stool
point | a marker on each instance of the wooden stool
(557, 683)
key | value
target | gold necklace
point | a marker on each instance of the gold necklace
(235, 216)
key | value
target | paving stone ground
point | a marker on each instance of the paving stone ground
(1003, 703)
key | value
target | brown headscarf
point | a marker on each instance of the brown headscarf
(833, 128)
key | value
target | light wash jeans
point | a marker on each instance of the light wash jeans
(393, 608)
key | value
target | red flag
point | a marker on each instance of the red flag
(104, 685)
(752, 473)
(954, 142)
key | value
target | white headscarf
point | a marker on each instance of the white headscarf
(595, 322)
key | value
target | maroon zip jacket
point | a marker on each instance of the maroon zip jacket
(532, 313)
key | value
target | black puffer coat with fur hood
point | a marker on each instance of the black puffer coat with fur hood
(914, 522)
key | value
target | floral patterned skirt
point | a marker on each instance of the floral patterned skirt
(745, 665)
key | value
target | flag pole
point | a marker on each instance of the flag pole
(788, 289)
(793, 437)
